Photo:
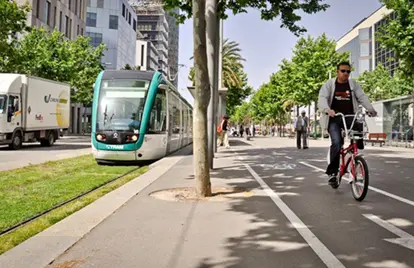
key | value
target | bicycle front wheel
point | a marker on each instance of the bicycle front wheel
(360, 176)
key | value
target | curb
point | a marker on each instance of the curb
(43, 248)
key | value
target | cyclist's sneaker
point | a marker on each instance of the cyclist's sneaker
(332, 179)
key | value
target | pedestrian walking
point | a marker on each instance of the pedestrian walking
(222, 131)
(301, 127)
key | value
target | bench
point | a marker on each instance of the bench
(291, 134)
(376, 138)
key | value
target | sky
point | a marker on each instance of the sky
(264, 44)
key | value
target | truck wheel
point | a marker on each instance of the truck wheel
(16, 141)
(49, 141)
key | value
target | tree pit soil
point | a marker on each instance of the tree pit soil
(189, 194)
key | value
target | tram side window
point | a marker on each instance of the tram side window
(191, 123)
(177, 115)
(158, 121)
(185, 118)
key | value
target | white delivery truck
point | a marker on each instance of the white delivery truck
(32, 109)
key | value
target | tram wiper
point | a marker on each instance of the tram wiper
(105, 114)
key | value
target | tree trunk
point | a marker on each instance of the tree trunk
(201, 100)
(315, 127)
(212, 62)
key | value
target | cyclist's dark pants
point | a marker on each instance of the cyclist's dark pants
(334, 129)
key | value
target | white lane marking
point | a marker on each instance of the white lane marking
(405, 239)
(320, 249)
(396, 197)
(289, 157)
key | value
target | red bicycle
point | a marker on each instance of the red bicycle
(354, 160)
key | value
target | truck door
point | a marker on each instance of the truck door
(14, 113)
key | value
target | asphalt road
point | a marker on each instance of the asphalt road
(33, 153)
(378, 232)
(303, 221)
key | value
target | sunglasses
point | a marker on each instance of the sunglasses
(345, 71)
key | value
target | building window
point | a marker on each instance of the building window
(96, 38)
(55, 18)
(113, 22)
(123, 10)
(89, 3)
(142, 54)
(67, 27)
(47, 13)
(134, 25)
(91, 19)
(100, 4)
(38, 8)
(76, 7)
(60, 21)
(77, 30)
(70, 4)
(81, 31)
(80, 9)
(70, 28)
(129, 19)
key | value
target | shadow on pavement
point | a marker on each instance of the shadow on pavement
(274, 242)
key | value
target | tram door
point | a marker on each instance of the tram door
(170, 122)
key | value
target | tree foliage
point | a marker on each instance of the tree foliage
(398, 34)
(298, 81)
(235, 94)
(285, 9)
(51, 56)
(380, 85)
(128, 67)
(234, 78)
(12, 23)
(313, 59)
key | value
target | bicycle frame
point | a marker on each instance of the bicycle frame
(353, 147)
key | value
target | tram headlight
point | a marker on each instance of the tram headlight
(132, 138)
(101, 137)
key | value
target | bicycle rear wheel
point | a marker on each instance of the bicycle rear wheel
(360, 174)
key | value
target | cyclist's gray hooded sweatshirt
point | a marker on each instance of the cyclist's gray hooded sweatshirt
(326, 95)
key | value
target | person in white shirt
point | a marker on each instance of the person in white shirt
(301, 128)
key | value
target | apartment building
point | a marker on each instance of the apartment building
(366, 52)
(67, 16)
(114, 23)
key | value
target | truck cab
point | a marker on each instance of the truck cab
(11, 114)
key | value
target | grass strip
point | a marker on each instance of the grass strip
(18, 236)
(28, 191)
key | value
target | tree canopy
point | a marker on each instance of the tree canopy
(298, 80)
(12, 23)
(269, 10)
(234, 78)
(398, 34)
(380, 85)
(40, 52)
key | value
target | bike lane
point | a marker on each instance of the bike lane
(354, 232)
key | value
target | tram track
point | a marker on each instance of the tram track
(31, 219)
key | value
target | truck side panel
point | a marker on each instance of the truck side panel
(47, 104)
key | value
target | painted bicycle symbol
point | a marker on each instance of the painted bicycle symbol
(280, 166)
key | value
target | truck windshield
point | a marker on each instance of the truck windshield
(3, 101)
(121, 104)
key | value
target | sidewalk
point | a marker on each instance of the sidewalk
(239, 230)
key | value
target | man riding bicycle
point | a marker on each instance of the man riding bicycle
(340, 95)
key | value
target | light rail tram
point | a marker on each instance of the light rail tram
(138, 116)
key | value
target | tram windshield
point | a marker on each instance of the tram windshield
(121, 105)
